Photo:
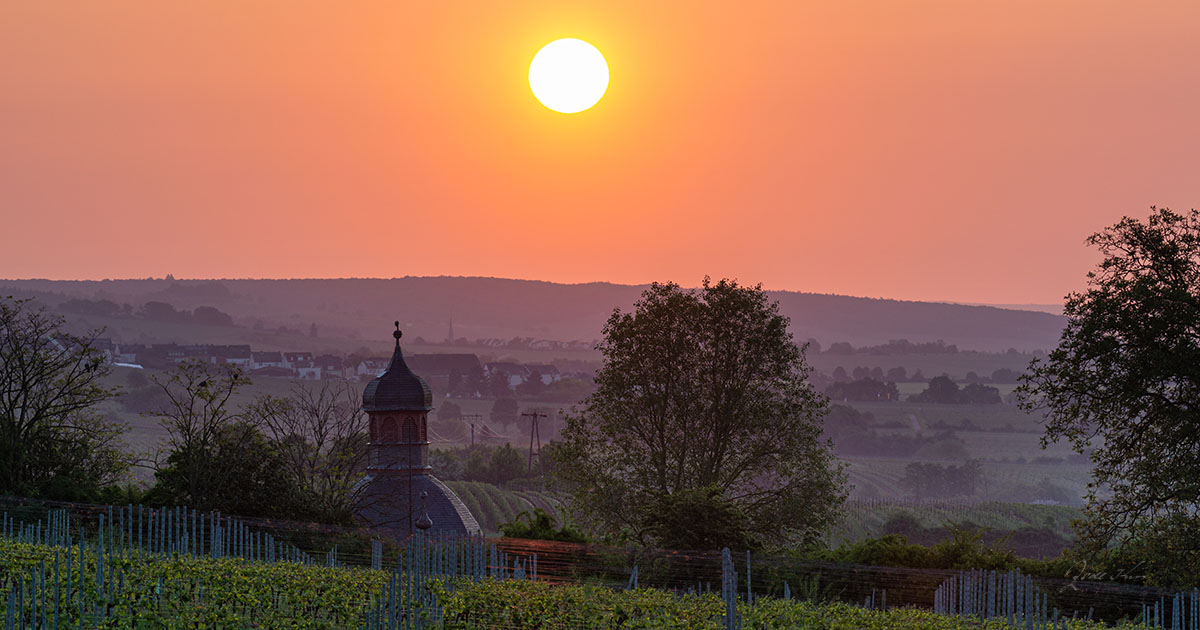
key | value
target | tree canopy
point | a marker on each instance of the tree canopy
(703, 400)
(1124, 381)
(53, 443)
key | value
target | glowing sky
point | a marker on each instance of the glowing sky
(918, 150)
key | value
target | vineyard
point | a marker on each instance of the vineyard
(134, 567)
(492, 505)
(867, 518)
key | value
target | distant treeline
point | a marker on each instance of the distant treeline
(151, 311)
(941, 390)
(894, 346)
(902, 375)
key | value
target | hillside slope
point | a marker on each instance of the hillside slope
(502, 308)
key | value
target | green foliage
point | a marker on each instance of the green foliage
(505, 410)
(182, 592)
(702, 389)
(964, 550)
(1123, 384)
(506, 464)
(525, 604)
(298, 456)
(942, 390)
(476, 468)
(253, 482)
(202, 432)
(540, 525)
(699, 518)
(533, 386)
(1162, 553)
(53, 442)
(926, 480)
(320, 432)
(492, 506)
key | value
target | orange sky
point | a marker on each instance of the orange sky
(918, 150)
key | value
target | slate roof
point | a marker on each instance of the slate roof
(397, 389)
(329, 362)
(444, 364)
(385, 505)
(273, 371)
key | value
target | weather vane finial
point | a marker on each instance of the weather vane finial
(397, 334)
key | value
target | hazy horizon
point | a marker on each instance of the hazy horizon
(929, 150)
(1054, 309)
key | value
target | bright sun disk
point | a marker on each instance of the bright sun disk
(568, 75)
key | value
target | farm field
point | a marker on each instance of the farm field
(955, 364)
(929, 416)
(910, 388)
(866, 519)
(879, 478)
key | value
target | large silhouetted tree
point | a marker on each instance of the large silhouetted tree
(702, 400)
(1124, 383)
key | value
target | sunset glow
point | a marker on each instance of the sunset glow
(937, 149)
(568, 75)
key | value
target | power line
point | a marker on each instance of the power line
(534, 416)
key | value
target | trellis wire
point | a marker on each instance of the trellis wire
(1180, 612)
(59, 595)
(1010, 597)
(409, 600)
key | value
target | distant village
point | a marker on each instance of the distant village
(446, 372)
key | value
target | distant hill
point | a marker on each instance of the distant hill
(502, 308)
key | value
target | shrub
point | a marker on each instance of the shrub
(540, 525)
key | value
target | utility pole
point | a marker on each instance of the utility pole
(533, 430)
(471, 418)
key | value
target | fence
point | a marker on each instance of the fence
(92, 544)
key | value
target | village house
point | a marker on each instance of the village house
(267, 359)
(295, 359)
(548, 373)
(442, 370)
(371, 367)
(516, 372)
(330, 366)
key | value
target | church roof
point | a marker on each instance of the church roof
(397, 389)
(385, 504)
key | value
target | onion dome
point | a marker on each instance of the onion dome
(397, 389)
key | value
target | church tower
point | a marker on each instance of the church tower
(400, 492)
(398, 403)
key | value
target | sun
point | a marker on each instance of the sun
(568, 75)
